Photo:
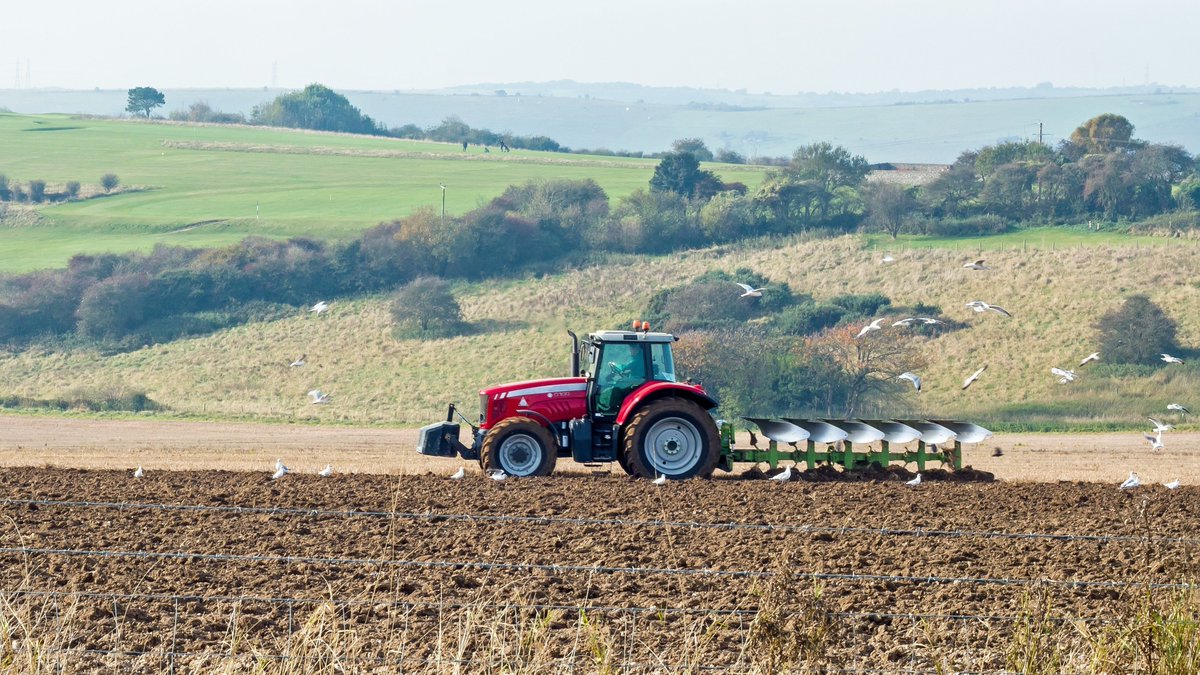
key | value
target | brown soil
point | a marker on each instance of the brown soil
(425, 573)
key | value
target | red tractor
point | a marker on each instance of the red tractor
(622, 405)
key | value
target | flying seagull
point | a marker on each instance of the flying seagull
(874, 325)
(318, 396)
(783, 476)
(888, 259)
(981, 306)
(320, 307)
(498, 475)
(661, 480)
(326, 472)
(1159, 427)
(1173, 485)
(914, 482)
(1094, 356)
(1064, 376)
(1179, 407)
(139, 473)
(977, 265)
(1171, 359)
(1131, 482)
(928, 321)
(1155, 440)
(298, 362)
(458, 475)
(750, 291)
(911, 377)
(974, 376)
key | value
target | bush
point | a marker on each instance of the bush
(37, 191)
(109, 182)
(862, 305)
(5, 194)
(1136, 332)
(426, 308)
(73, 189)
(807, 319)
(973, 226)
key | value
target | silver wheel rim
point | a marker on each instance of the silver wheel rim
(673, 446)
(520, 455)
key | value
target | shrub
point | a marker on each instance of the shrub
(425, 307)
(5, 194)
(973, 226)
(807, 319)
(37, 191)
(862, 305)
(109, 182)
(1136, 332)
(73, 189)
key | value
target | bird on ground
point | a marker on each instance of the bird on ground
(1131, 482)
(1159, 426)
(1179, 407)
(997, 452)
(974, 376)
(281, 470)
(750, 291)
(1094, 356)
(1064, 376)
(914, 482)
(1155, 440)
(753, 439)
(326, 472)
(783, 476)
(298, 362)
(1173, 485)
(458, 475)
(888, 259)
(911, 377)
(980, 306)
(318, 396)
(320, 307)
(1167, 358)
(661, 480)
(977, 265)
(874, 325)
(139, 473)
(498, 475)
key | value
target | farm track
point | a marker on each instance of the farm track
(429, 570)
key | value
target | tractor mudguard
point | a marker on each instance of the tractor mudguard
(653, 390)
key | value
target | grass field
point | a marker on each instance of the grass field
(207, 185)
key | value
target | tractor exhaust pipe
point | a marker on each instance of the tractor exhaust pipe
(574, 353)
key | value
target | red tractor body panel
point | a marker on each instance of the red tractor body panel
(558, 399)
(657, 388)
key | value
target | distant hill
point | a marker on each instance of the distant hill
(923, 127)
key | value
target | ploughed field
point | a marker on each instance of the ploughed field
(205, 570)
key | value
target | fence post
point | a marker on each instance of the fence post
(174, 637)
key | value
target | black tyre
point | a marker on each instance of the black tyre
(518, 446)
(671, 437)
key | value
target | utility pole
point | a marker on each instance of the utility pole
(443, 186)
(1040, 142)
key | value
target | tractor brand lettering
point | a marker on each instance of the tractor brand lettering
(548, 389)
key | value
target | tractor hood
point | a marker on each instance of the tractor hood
(551, 400)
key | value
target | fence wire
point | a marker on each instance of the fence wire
(615, 522)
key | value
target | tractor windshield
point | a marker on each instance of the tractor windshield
(661, 364)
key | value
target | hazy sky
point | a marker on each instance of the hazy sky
(783, 46)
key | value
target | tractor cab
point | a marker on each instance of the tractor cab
(619, 362)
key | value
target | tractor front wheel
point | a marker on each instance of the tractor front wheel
(672, 437)
(518, 446)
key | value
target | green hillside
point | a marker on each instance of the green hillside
(199, 185)
(1055, 295)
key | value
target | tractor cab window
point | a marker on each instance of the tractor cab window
(621, 369)
(662, 366)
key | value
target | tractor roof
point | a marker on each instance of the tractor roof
(630, 336)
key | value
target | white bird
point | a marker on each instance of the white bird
(750, 291)
(928, 321)
(498, 475)
(888, 259)
(974, 376)
(318, 396)
(139, 473)
(1173, 485)
(280, 470)
(1171, 359)
(1155, 440)
(874, 325)
(319, 307)
(977, 265)
(1159, 426)
(279, 464)
(981, 306)
(914, 482)
(1094, 356)
(1064, 376)
(905, 322)
(1131, 482)
(660, 480)
(326, 472)
(783, 476)
(458, 475)
(1179, 407)
(911, 377)
(298, 362)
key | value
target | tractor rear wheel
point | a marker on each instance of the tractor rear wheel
(672, 437)
(518, 446)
